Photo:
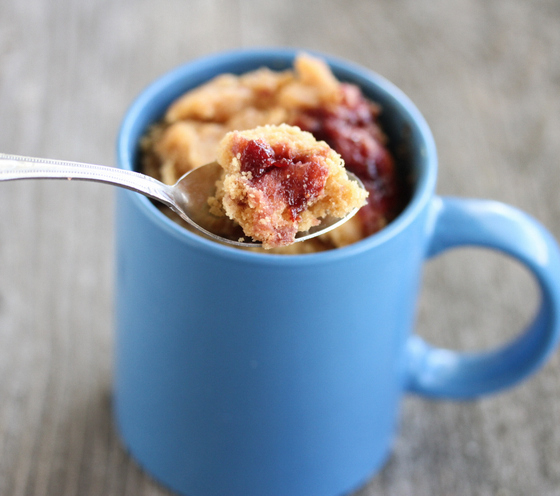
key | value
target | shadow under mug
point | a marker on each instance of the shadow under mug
(249, 374)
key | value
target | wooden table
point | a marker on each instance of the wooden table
(485, 75)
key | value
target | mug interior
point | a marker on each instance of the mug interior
(410, 138)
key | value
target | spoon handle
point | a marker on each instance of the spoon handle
(13, 167)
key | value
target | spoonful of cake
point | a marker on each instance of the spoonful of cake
(271, 186)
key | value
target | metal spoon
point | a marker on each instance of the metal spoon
(188, 197)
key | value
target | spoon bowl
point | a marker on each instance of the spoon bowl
(188, 197)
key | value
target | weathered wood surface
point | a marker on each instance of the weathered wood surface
(485, 74)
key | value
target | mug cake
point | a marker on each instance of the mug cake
(308, 97)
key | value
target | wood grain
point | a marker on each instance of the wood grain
(486, 75)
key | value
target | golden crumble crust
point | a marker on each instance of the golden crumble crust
(196, 122)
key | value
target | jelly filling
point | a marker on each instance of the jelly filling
(283, 175)
(351, 128)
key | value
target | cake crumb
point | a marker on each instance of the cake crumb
(279, 180)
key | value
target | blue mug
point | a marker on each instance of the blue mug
(251, 374)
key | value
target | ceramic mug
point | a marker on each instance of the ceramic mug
(251, 374)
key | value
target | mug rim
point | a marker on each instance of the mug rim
(205, 67)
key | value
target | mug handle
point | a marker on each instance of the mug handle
(444, 373)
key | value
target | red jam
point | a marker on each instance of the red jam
(351, 128)
(283, 175)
